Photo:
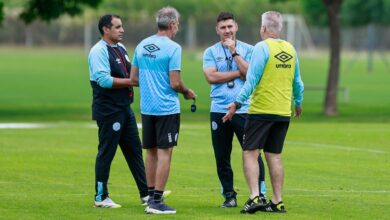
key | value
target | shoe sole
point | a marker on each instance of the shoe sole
(156, 211)
(252, 210)
(273, 211)
(107, 207)
(229, 206)
(165, 195)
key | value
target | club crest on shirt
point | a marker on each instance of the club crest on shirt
(118, 60)
(116, 126)
(214, 125)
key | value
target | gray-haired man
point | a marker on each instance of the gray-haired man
(273, 78)
(156, 69)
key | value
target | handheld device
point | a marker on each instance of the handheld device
(230, 84)
(193, 106)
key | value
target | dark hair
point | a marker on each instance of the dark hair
(225, 16)
(105, 21)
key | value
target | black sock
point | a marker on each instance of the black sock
(158, 195)
(151, 191)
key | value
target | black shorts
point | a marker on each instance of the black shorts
(160, 131)
(267, 135)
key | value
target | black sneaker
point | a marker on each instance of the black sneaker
(230, 203)
(253, 205)
(271, 207)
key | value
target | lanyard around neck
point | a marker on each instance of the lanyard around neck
(229, 60)
(122, 58)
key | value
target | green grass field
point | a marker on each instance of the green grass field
(336, 168)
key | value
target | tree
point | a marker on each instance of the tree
(1, 11)
(350, 13)
(195, 12)
(315, 11)
(375, 12)
(51, 9)
(362, 12)
(192, 12)
(333, 11)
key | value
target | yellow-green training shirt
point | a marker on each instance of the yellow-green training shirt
(273, 78)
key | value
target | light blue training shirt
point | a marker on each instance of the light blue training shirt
(99, 65)
(221, 95)
(155, 56)
(257, 64)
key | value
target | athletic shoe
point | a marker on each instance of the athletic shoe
(253, 205)
(107, 203)
(271, 207)
(166, 193)
(159, 208)
(144, 200)
(263, 198)
(230, 203)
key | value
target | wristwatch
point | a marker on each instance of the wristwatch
(235, 54)
(238, 105)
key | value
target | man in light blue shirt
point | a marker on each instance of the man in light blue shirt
(224, 66)
(156, 69)
(109, 68)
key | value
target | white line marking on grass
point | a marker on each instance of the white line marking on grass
(326, 195)
(316, 193)
(337, 147)
(339, 191)
(91, 126)
(94, 125)
(139, 126)
(22, 125)
(184, 126)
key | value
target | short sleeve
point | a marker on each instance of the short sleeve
(208, 58)
(99, 67)
(175, 60)
(135, 60)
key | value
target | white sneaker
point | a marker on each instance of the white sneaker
(107, 203)
(166, 193)
(144, 200)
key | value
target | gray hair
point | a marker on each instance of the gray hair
(273, 21)
(165, 16)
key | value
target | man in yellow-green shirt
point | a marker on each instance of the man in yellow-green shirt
(273, 79)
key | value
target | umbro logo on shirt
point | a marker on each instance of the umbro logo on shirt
(151, 48)
(284, 57)
(219, 59)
